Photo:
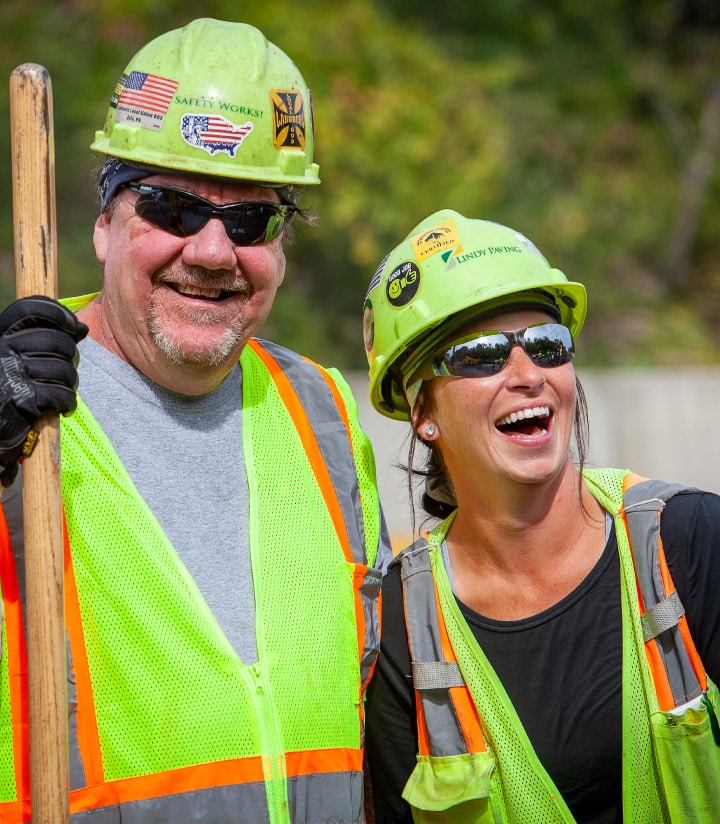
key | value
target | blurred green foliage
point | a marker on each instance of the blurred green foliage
(592, 128)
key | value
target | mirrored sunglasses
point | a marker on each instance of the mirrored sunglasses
(546, 344)
(184, 213)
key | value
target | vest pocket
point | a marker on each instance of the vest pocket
(460, 782)
(689, 760)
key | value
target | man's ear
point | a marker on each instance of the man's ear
(100, 236)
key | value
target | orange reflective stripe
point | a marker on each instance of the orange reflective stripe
(17, 663)
(465, 708)
(652, 653)
(692, 652)
(666, 700)
(423, 738)
(359, 573)
(171, 782)
(15, 812)
(309, 442)
(631, 479)
(308, 762)
(206, 776)
(87, 729)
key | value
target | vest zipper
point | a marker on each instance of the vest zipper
(271, 747)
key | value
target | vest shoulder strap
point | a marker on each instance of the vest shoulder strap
(448, 723)
(676, 667)
(677, 671)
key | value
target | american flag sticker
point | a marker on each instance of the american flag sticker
(143, 99)
(213, 133)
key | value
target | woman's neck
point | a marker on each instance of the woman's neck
(514, 555)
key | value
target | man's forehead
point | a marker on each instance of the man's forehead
(212, 188)
(116, 172)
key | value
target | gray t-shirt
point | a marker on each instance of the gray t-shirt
(184, 454)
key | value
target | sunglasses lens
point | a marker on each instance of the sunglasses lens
(171, 211)
(253, 223)
(477, 358)
(549, 345)
(183, 214)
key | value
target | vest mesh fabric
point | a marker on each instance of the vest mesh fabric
(150, 637)
(523, 791)
(294, 589)
(151, 645)
(641, 779)
(7, 765)
(522, 788)
(14, 768)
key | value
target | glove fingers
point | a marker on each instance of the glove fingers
(51, 370)
(54, 397)
(14, 428)
(38, 359)
(39, 311)
(32, 343)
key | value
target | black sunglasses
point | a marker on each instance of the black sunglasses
(546, 344)
(184, 213)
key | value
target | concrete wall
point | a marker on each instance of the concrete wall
(659, 423)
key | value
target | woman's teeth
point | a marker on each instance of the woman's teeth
(523, 414)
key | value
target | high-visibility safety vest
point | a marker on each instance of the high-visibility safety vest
(166, 723)
(476, 764)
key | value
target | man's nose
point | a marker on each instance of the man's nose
(210, 248)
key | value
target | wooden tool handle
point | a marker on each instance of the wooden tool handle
(33, 176)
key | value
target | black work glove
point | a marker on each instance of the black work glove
(38, 374)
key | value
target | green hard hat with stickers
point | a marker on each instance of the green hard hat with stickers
(213, 98)
(449, 269)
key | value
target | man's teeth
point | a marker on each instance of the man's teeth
(199, 291)
(535, 412)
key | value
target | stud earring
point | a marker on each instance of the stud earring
(429, 430)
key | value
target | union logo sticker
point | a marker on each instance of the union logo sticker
(437, 239)
(288, 119)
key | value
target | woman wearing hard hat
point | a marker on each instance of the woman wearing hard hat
(545, 658)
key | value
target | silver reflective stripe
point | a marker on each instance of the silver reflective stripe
(436, 675)
(336, 797)
(316, 398)
(643, 503)
(217, 805)
(77, 769)
(423, 626)
(662, 616)
(369, 595)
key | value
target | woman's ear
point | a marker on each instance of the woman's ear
(428, 431)
(422, 421)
